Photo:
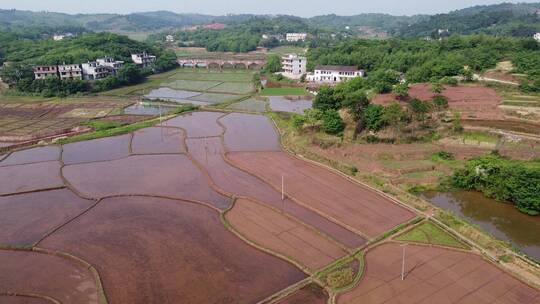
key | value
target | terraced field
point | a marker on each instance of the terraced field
(207, 208)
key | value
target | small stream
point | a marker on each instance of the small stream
(502, 220)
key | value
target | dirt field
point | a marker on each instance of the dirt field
(208, 153)
(158, 141)
(151, 250)
(246, 132)
(435, 275)
(199, 124)
(325, 192)
(32, 177)
(173, 176)
(26, 218)
(472, 101)
(46, 275)
(23, 120)
(283, 235)
(312, 294)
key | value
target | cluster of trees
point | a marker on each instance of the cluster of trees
(242, 36)
(421, 61)
(23, 53)
(353, 96)
(503, 180)
(519, 20)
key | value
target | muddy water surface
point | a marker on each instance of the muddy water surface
(502, 220)
(246, 132)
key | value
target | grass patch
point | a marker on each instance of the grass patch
(287, 91)
(101, 125)
(249, 105)
(233, 88)
(340, 278)
(480, 137)
(115, 131)
(429, 233)
(287, 49)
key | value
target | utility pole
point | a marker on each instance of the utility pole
(403, 262)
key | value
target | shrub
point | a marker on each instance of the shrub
(444, 155)
(440, 102)
(340, 278)
(373, 117)
(504, 180)
(298, 121)
(332, 122)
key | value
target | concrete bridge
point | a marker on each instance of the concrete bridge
(233, 63)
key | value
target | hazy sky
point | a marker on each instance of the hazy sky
(303, 8)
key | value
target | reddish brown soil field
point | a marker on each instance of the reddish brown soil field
(312, 294)
(208, 153)
(24, 178)
(283, 235)
(35, 155)
(435, 275)
(158, 141)
(246, 132)
(326, 192)
(173, 176)
(473, 101)
(26, 218)
(23, 300)
(151, 250)
(198, 124)
(102, 149)
(35, 273)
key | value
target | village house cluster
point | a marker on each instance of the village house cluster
(294, 66)
(91, 70)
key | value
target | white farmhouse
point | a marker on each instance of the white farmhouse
(143, 59)
(94, 71)
(110, 62)
(293, 64)
(70, 71)
(537, 37)
(295, 37)
(334, 73)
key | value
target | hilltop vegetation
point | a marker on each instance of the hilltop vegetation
(422, 60)
(519, 20)
(503, 19)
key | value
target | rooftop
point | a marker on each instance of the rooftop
(339, 68)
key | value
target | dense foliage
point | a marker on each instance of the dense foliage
(519, 20)
(423, 61)
(23, 53)
(504, 180)
(241, 36)
(76, 50)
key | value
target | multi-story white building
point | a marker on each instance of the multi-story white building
(293, 64)
(169, 38)
(334, 73)
(294, 37)
(45, 71)
(143, 59)
(94, 71)
(110, 62)
(70, 71)
(537, 37)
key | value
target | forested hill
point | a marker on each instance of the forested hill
(507, 19)
(502, 19)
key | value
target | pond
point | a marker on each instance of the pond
(178, 96)
(284, 104)
(502, 220)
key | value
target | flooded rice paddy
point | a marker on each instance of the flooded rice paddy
(189, 211)
(284, 104)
